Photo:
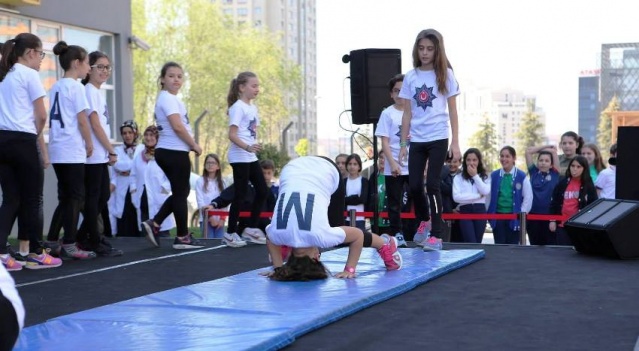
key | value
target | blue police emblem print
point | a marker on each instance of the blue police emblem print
(424, 96)
(253, 128)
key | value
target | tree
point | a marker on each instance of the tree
(273, 153)
(301, 149)
(485, 139)
(212, 49)
(604, 131)
(531, 130)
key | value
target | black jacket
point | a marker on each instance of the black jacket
(362, 198)
(587, 195)
(446, 188)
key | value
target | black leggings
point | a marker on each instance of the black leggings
(70, 199)
(242, 174)
(177, 167)
(435, 153)
(96, 185)
(21, 182)
(9, 327)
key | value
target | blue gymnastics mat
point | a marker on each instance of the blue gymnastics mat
(242, 312)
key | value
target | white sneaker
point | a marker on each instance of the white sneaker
(254, 235)
(233, 240)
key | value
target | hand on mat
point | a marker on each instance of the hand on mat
(345, 275)
(267, 274)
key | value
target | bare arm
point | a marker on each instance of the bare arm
(454, 127)
(276, 254)
(355, 239)
(40, 114)
(85, 132)
(175, 120)
(406, 117)
(44, 153)
(235, 139)
(94, 120)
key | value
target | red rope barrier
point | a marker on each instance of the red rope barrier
(411, 215)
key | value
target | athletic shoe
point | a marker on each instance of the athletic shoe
(391, 257)
(254, 235)
(233, 240)
(53, 247)
(432, 244)
(152, 232)
(10, 263)
(186, 242)
(20, 258)
(107, 251)
(423, 232)
(400, 240)
(69, 251)
(42, 261)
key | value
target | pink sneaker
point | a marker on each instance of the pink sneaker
(10, 263)
(391, 257)
(42, 261)
(432, 244)
(76, 253)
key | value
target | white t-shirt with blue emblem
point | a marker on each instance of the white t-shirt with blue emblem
(245, 117)
(390, 126)
(67, 98)
(97, 104)
(429, 107)
(168, 104)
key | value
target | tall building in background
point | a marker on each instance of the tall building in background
(295, 21)
(589, 108)
(620, 75)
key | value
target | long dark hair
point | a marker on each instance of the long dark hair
(585, 175)
(234, 89)
(440, 61)
(578, 140)
(14, 48)
(93, 58)
(68, 53)
(218, 174)
(481, 171)
(301, 268)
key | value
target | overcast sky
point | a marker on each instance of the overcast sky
(538, 47)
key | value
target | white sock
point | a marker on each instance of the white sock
(23, 253)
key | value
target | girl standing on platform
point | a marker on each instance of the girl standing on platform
(510, 192)
(310, 203)
(22, 119)
(571, 144)
(573, 193)
(172, 155)
(70, 143)
(356, 189)
(595, 162)
(470, 190)
(96, 169)
(243, 123)
(208, 187)
(429, 96)
(543, 179)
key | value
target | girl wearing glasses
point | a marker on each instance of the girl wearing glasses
(96, 169)
(22, 118)
(70, 143)
(208, 187)
(172, 155)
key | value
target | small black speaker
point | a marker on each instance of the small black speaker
(371, 69)
(606, 227)
(627, 186)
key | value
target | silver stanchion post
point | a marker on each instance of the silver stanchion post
(352, 217)
(522, 228)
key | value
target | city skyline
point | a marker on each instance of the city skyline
(536, 48)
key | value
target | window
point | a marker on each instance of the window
(242, 11)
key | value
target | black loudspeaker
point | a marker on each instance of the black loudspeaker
(627, 186)
(606, 227)
(371, 69)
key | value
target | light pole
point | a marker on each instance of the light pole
(352, 137)
(196, 136)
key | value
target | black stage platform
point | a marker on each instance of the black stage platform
(517, 298)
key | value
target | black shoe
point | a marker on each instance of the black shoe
(22, 260)
(107, 251)
(152, 232)
(186, 242)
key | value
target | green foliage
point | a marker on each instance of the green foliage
(273, 153)
(531, 131)
(302, 147)
(485, 139)
(604, 131)
(212, 49)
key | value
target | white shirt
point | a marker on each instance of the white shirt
(466, 192)
(390, 126)
(429, 107)
(97, 104)
(312, 180)
(8, 289)
(67, 98)
(19, 89)
(244, 116)
(168, 104)
(606, 182)
(354, 187)
(205, 196)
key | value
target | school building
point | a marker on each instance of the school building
(92, 24)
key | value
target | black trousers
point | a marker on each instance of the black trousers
(97, 192)
(394, 192)
(21, 182)
(177, 167)
(70, 198)
(9, 328)
(128, 222)
(433, 152)
(242, 174)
